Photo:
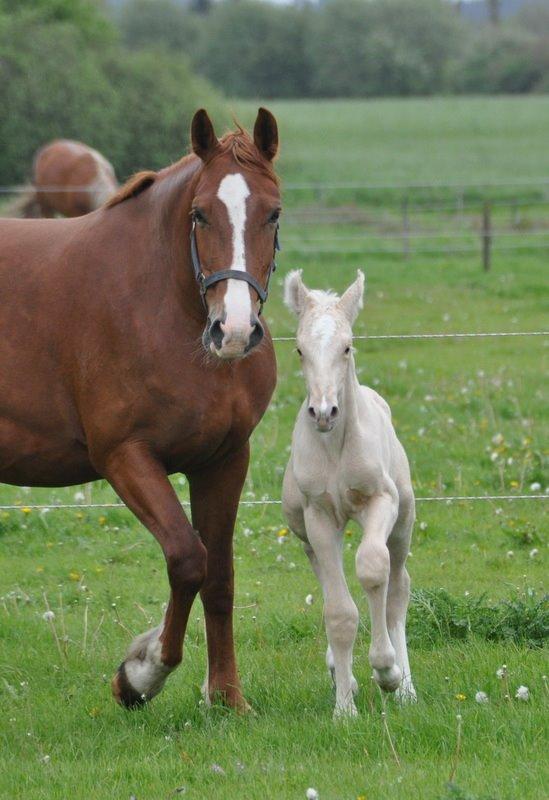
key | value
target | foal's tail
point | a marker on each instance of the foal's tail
(24, 205)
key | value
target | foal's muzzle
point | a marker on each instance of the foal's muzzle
(232, 341)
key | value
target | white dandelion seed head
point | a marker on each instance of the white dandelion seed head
(497, 439)
(509, 554)
(522, 693)
(79, 497)
(535, 487)
(502, 671)
(311, 794)
(47, 616)
(423, 526)
(481, 698)
(533, 552)
(309, 599)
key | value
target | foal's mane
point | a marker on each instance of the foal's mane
(238, 144)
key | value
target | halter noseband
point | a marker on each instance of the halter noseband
(204, 282)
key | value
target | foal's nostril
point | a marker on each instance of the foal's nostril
(216, 333)
(256, 335)
(311, 412)
(334, 412)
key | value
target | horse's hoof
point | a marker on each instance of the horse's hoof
(388, 678)
(123, 692)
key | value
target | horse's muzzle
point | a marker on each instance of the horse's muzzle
(232, 341)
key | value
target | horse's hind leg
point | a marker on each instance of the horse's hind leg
(398, 594)
(215, 493)
(142, 483)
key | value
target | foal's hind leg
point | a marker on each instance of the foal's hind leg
(142, 483)
(398, 594)
(215, 493)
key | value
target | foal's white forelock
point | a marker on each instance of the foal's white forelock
(233, 192)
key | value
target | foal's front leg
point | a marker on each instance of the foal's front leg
(373, 567)
(215, 494)
(340, 611)
(141, 481)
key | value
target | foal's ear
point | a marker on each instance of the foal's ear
(295, 292)
(353, 298)
(203, 138)
(266, 134)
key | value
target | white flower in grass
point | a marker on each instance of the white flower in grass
(535, 487)
(497, 439)
(218, 769)
(533, 552)
(309, 599)
(522, 693)
(481, 698)
(311, 794)
(423, 526)
(502, 671)
(510, 554)
(48, 616)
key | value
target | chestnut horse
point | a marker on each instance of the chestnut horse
(126, 356)
(69, 178)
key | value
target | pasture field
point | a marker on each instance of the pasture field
(472, 415)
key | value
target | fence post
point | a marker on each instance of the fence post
(487, 236)
(405, 228)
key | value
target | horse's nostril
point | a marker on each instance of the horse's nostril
(256, 335)
(334, 412)
(311, 412)
(216, 333)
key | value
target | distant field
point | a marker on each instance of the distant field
(454, 140)
(473, 418)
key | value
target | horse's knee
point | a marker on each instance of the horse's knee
(372, 564)
(341, 622)
(186, 564)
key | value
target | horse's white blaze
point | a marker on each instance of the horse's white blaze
(323, 328)
(233, 192)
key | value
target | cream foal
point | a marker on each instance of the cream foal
(347, 463)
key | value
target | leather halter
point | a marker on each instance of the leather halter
(204, 282)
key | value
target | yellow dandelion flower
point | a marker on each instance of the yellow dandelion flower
(74, 575)
(102, 520)
(94, 712)
(26, 510)
(40, 569)
(99, 570)
(79, 515)
(348, 532)
(461, 697)
(514, 484)
(49, 545)
(282, 532)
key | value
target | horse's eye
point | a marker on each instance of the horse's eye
(275, 216)
(199, 217)
(347, 351)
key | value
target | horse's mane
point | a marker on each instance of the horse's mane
(239, 144)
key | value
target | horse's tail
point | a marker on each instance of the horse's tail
(24, 205)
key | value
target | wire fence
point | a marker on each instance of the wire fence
(420, 336)
(268, 501)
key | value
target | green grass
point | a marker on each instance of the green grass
(478, 591)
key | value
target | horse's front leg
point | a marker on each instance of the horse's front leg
(141, 481)
(215, 493)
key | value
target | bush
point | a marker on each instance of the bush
(134, 107)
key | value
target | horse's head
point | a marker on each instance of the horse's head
(324, 342)
(235, 211)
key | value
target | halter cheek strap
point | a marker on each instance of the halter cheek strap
(204, 282)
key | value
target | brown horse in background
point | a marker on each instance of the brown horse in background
(69, 178)
(129, 350)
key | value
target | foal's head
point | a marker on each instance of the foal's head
(235, 211)
(324, 342)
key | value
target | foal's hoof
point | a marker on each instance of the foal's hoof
(388, 678)
(123, 692)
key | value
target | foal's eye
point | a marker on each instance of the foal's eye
(275, 216)
(347, 351)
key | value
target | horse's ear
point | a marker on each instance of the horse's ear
(295, 292)
(266, 134)
(203, 138)
(353, 298)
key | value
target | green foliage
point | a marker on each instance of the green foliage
(346, 48)
(135, 107)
